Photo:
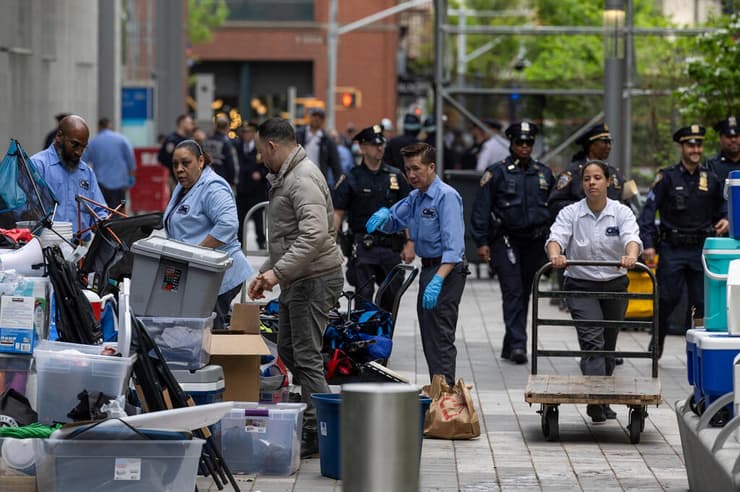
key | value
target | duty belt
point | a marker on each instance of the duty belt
(677, 237)
(393, 241)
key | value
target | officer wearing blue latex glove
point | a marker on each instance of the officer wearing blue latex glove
(431, 293)
(378, 220)
(433, 215)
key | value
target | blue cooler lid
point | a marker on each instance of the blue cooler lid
(734, 175)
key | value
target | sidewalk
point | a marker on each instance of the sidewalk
(512, 453)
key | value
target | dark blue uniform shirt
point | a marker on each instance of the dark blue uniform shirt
(518, 197)
(689, 204)
(363, 192)
(569, 187)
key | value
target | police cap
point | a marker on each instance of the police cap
(596, 132)
(371, 135)
(523, 130)
(727, 127)
(690, 134)
(411, 122)
(317, 112)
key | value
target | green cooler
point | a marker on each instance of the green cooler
(716, 257)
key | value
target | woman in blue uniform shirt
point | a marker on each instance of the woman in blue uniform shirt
(595, 228)
(202, 211)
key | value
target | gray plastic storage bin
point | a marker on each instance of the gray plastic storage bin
(172, 278)
(63, 370)
(262, 438)
(185, 342)
(117, 466)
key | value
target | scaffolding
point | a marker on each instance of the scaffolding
(618, 32)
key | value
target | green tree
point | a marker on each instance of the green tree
(713, 92)
(203, 17)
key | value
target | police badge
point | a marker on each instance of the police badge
(564, 180)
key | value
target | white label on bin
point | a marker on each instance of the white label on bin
(322, 429)
(127, 469)
(256, 425)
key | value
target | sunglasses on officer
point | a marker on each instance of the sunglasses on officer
(524, 141)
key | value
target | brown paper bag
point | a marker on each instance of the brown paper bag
(451, 414)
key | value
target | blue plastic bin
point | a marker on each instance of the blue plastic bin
(716, 354)
(733, 203)
(328, 416)
(693, 370)
(717, 254)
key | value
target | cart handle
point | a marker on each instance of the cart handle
(714, 276)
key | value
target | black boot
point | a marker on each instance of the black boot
(309, 443)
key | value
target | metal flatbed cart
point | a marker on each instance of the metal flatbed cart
(551, 390)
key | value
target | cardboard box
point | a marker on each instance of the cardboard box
(238, 351)
(18, 334)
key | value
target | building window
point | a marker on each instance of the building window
(270, 10)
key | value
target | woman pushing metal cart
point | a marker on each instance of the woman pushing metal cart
(604, 233)
(552, 390)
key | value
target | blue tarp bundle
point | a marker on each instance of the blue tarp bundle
(24, 195)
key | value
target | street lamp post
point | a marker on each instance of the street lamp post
(614, 70)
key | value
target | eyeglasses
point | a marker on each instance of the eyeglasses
(522, 142)
(75, 144)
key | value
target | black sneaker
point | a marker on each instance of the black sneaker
(596, 412)
(609, 413)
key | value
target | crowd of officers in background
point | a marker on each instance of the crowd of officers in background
(518, 199)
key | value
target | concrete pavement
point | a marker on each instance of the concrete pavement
(512, 453)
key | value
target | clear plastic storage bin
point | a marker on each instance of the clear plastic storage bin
(63, 370)
(14, 369)
(263, 439)
(117, 466)
(185, 342)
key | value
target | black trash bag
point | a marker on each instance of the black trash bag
(15, 410)
(90, 405)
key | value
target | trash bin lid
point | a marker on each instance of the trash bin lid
(206, 258)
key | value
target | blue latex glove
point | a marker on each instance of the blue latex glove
(131, 181)
(378, 219)
(431, 293)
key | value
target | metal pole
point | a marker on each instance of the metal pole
(332, 43)
(440, 17)
(292, 92)
(627, 102)
(614, 77)
(380, 437)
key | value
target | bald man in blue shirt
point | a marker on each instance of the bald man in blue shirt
(441, 248)
(62, 167)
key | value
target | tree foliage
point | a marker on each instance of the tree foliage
(714, 89)
(203, 17)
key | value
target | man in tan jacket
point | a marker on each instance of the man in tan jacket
(304, 259)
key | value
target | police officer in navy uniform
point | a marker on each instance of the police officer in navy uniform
(728, 158)
(509, 224)
(597, 145)
(370, 186)
(688, 196)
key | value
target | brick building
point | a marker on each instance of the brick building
(266, 46)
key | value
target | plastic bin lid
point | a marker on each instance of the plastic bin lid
(208, 374)
(158, 247)
(720, 246)
(720, 341)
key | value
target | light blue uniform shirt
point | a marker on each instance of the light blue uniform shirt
(112, 159)
(435, 222)
(66, 184)
(583, 235)
(209, 208)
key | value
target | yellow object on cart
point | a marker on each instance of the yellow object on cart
(640, 283)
